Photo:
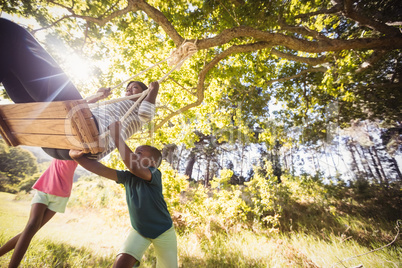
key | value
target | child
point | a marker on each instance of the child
(149, 216)
(53, 191)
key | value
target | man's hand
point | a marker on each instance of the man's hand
(75, 154)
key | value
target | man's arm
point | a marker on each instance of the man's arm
(93, 166)
(130, 159)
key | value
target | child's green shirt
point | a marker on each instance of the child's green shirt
(148, 210)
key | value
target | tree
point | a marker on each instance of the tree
(290, 59)
(304, 53)
(15, 165)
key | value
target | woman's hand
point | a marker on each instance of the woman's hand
(106, 91)
(154, 86)
(153, 92)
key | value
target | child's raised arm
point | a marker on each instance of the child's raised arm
(136, 164)
(93, 166)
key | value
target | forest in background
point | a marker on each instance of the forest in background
(286, 107)
(301, 221)
(312, 87)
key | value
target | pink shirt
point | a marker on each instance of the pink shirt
(58, 178)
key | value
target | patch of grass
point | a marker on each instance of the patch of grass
(312, 232)
(247, 249)
(46, 253)
(13, 213)
(343, 253)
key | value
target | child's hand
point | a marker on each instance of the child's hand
(115, 129)
(75, 154)
(115, 126)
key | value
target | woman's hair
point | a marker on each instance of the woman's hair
(142, 85)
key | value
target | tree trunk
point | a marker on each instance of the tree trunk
(241, 160)
(190, 165)
(355, 166)
(292, 164)
(380, 166)
(376, 166)
(313, 162)
(327, 163)
(396, 168)
(179, 157)
(364, 162)
(206, 179)
(333, 162)
(368, 165)
(168, 153)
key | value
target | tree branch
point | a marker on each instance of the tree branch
(375, 57)
(33, 32)
(294, 43)
(333, 10)
(101, 20)
(309, 70)
(160, 19)
(345, 7)
(355, 15)
(302, 30)
(203, 73)
(237, 2)
(257, 39)
(382, 86)
(310, 61)
(183, 87)
(228, 35)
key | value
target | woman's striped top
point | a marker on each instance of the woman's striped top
(107, 114)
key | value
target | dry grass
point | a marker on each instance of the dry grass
(94, 225)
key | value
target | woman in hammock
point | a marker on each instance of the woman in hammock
(30, 74)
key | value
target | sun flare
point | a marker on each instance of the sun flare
(78, 68)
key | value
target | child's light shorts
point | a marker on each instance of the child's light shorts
(53, 202)
(165, 247)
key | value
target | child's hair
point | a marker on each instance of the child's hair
(143, 86)
(156, 155)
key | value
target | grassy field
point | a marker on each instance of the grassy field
(90, 237)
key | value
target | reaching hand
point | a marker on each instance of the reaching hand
(115, 130)
(153, 92)
(105, 91)
(154, 86)
(75, 154)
